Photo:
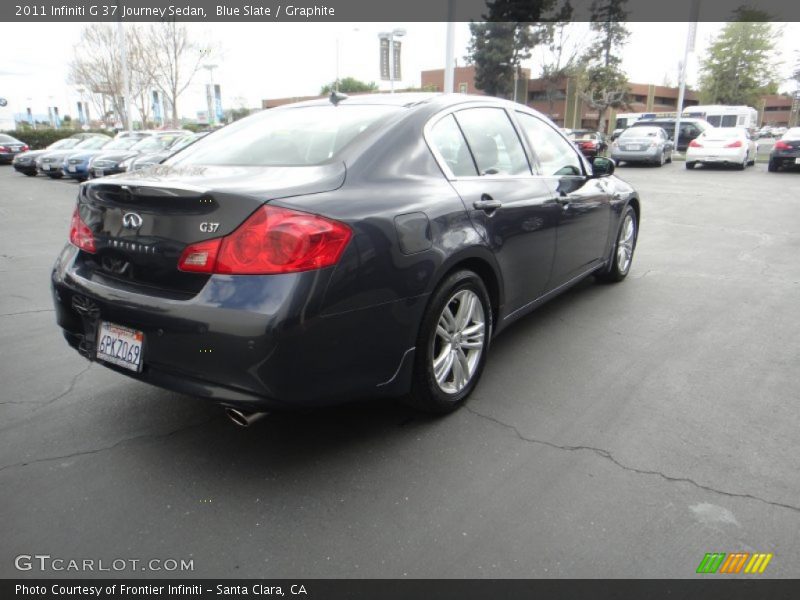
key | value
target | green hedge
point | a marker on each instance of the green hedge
(41, 138)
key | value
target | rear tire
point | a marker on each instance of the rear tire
(452, 344)
(55, 175)
(624, 247)
(773, 167)
(690, 165)
(29, 174)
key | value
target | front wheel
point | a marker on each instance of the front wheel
(452, 344)
(624, 247)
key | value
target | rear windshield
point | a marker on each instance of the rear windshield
(121, 143)
(722, 134)
(640, 132)
(156, 143)
(286, 137)
(792, 134)
(7, 139)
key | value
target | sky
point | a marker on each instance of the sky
(275, 60)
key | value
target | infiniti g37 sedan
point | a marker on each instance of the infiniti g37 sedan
(365, 247)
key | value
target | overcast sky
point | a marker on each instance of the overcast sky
(269, 60)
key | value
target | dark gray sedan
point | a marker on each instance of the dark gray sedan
(364, 247)
(643, 145)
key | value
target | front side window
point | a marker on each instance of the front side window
(494, 142)
(557, 157)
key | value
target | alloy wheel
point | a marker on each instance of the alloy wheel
(458, 341)
(627, 235)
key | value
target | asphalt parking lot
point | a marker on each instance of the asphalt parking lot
(619, 431)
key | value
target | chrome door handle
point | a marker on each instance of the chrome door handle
(487, 204)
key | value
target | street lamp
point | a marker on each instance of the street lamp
(390, 35)
(212, 113)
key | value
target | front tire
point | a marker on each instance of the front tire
(452, 345)
(624, 247)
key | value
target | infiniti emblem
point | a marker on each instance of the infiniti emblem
(131, 220)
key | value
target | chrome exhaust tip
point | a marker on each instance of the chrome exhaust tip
(244, 419)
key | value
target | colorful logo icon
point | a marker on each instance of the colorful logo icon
(734, 563)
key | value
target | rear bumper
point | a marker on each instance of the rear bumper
(25, 168)
(80, 172)
(636, 155)
(253, 342)
(717, 156)
(95, 172)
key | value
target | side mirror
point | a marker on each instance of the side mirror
(602, 166)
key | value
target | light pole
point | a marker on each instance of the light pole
(212, 112)
(398, 32)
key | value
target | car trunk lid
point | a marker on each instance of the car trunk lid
(142, 221)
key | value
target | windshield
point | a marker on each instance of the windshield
(181, 143)
(285, 137)
(640, 132)
(155, 143)
(64, 144)
(92, 143)
(121, 143)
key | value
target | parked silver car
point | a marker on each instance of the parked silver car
(642, 144)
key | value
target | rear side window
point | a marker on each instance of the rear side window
(494, 142)
(448, 141)
(303, 136)
(556, 155)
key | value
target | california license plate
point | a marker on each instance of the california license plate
(632, 147)
(72, 168)
(98, 172)
(797, 161)
(46, 167)
(120, 345)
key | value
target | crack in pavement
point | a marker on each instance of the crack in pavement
(70, 387)
(27, 312)
(610, 457)
(153, 436)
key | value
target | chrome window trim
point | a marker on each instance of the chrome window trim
(445, 168)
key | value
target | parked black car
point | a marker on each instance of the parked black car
(321, 252)
(786, 151)
(127, 148)
(10, 147)
(148, 159)
(690, 129)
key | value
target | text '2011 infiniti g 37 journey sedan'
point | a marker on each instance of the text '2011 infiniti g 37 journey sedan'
(320, 252)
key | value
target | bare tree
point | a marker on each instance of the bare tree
(174, 60)
(96, 66)
(565, 43)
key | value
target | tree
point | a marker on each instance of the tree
(173, 59)
(349, 85)
(740, 64)
(563, 47)
(97, 66)
(507, 37)
(603, 83)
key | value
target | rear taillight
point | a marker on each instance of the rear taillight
(780, 145)
(3, 149)
(80, 235)
(25, 148)
(736, 144)
(695, 144)
(272, 240)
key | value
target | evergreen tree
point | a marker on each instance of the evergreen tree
(740, 65)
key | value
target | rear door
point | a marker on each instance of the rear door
(515, 212)
(584, 202)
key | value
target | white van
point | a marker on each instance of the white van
(725, 116)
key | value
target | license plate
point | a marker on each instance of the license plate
(98, 172)
(120, 345)
(72, 169)
(632, 147)
(797, 161)
(45, 167)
